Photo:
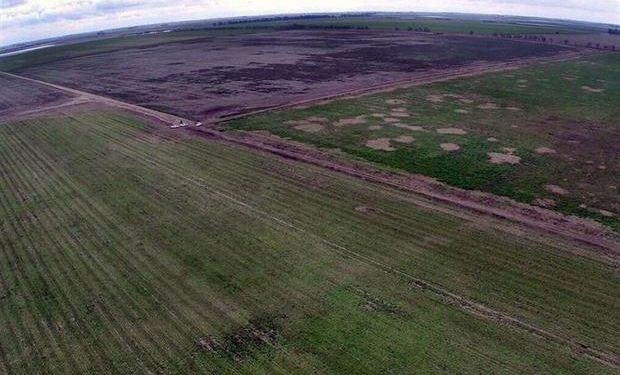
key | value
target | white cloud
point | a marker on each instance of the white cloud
(22, 20)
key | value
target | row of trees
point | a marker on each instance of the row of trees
(545, 39)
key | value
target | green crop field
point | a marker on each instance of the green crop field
(127, 248)
(553, 129)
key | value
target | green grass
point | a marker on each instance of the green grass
(554, 111)
(124, 248)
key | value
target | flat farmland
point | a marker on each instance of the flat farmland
(546, 135)
(218, 76)
(128, 247)
(17, 98)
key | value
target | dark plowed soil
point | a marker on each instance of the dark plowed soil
(19, 96)
(222, 76)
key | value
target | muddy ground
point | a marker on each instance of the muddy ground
(222, 76)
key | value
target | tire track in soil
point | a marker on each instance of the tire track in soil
(147, 163)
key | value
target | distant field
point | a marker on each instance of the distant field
(127, 248)
(218, 76)
(443, 25)
(553, 129)
(69, 51)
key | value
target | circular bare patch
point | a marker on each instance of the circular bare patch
(435, 98)
(357, 120)
(409, 127)
(404, 139)
(450, 147)
(453, 131)
(545, 150)
(491, 139)
(390, 120)
(317, 119)
(488, 106)
(499, 158)
(382, 144)
(399, 114)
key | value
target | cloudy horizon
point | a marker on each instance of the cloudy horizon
(28, 20)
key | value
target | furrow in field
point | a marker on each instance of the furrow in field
(108, 278)
(70, 278)
(29, 271)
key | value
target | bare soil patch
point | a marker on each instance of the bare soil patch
(451, 131)
(461, 111)
(382, 144)
(409, 127)
(499, 158)
(492, 139)
(450, 147)
(317, 119)
(399, 114)
(404, 139)
(545, 150)
(389, 120)
(435, 98)
(357, 120)
(488, 106)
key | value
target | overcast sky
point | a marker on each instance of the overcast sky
(24, 20)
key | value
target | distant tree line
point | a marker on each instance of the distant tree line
(296, 26)
(286, 18)
(546, 39)
(614, 31)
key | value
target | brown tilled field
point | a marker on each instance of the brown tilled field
(219, 76)
(16, 98)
